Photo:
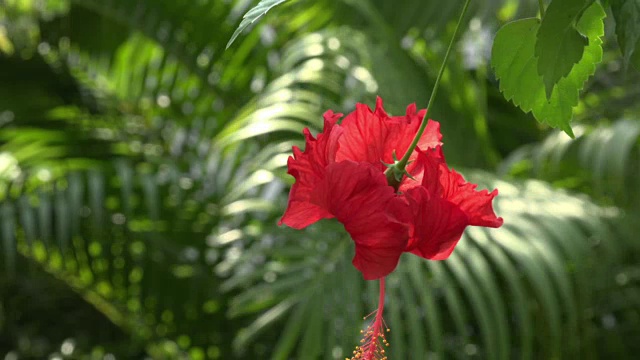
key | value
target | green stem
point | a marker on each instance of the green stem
(541, 4)
(405, 159)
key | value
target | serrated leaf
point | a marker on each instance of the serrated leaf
(253, 15)
(559, 45)
(515, 64)
(627, 15)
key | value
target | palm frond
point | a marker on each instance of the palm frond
(132, 238)
(603, 161)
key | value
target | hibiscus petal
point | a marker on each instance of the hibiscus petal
(308, 168)
(375, 262)
(437, 226)
(364, 138)
(477, 205)
(302, 213)
(373, 136)
(424, 171)
(443, 205)
(358, 195)
(429, 139)
(440, 181)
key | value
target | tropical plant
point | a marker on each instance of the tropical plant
(142, 173)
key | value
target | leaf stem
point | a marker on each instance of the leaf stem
(541, 5)
(405, 159)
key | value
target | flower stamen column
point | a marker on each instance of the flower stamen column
(374, 339)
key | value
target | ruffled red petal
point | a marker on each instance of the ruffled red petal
(308, 168)
(443, 205)
(429, 139)
(478, 205)
(424, 172)
(358, 195)
(448, 184)
(373, 136)
(438, 226)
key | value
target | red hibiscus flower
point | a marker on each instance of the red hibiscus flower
(341, 174)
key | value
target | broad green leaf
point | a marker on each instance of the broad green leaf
(515, 64)
(253, 15)
(627, 15)
(559, 45)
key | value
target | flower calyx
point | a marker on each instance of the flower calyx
(395, 172)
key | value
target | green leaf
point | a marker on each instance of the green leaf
(627, 15)
(559, 45)
(513, 59)
(253, 15)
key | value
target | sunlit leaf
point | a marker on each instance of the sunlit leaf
(513, 59)
(558, 44)
(254, 15)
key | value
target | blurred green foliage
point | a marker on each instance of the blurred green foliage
(142, 173)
